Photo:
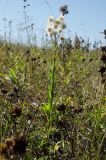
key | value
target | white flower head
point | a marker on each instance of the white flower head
(59, 30)
(29, 122)
(50, 19)
(55, 26)
(61, 17)
(51, 31)
(50, 28)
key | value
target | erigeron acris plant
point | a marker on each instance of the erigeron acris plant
(55, 28)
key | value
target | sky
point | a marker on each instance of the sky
(86, 18)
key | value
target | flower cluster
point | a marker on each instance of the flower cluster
(55, 26)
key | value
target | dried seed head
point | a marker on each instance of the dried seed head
(4, 91)
(62, 38)
(78, 110)
(56, 136)
(103, 58)
(33, 59)
(16, 145)
(44, 61)
(20, 144)
(102, 70)
(103, 80)
(103, 49)
(64, 9)
(15, 89)
(105, 32)
(16, 111)
(61, 107)
(10, 143)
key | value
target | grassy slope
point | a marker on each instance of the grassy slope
(77, 85)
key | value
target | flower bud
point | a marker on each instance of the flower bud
(63, 26)
(62, 38)
(61, 18)
(50, 19)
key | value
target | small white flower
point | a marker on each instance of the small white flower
(34, 104)
(50, 19)
(29, 121)
(59, 30)
(55, 26)
(49, 27)
(61, 18)
(52, 33)
(51, 30)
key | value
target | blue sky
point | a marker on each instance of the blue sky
(87, 18)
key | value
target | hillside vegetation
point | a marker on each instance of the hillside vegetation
(52, 108)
